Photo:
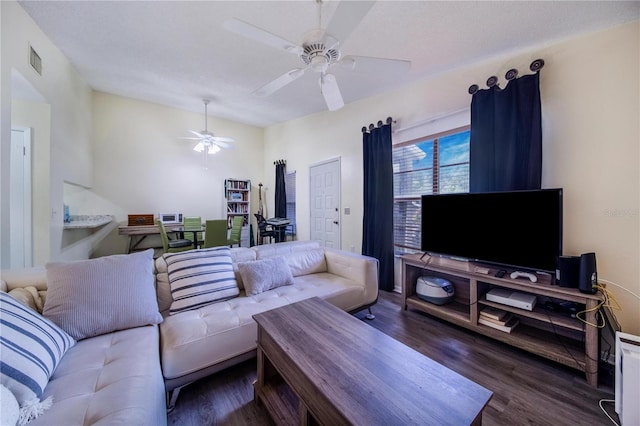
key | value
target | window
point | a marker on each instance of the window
(433, 165)
(290, 190)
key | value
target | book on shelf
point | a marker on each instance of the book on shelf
(494, 313)
(502, 321)
(510, 325)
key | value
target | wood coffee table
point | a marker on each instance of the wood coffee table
(319, 365)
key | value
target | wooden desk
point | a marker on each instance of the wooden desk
(279, 225)
(137, 234)
(319, 365)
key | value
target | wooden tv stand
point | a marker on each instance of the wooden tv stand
(553, 335)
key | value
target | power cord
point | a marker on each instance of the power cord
(605, 411)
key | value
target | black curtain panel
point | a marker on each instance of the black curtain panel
(377, 229)
(280, 193)
(506, 137)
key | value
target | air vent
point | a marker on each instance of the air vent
(35, 61)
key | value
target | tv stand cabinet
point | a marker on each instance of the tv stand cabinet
(553, 335)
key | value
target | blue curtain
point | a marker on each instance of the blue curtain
(280, 193)
(506, 137)
(377, 229)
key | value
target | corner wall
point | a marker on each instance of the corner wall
(591, 108)
(143, 167)
(69, 98)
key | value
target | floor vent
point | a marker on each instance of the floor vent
(35, 60)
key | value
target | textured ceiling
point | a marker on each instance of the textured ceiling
(176, 53)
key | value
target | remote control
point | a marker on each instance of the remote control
(501, 273)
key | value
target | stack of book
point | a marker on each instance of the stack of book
(498, 319)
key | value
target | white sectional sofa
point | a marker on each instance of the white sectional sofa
(199, 342)
(121, 376)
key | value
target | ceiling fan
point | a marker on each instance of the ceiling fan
(208, 143)
(320, 50)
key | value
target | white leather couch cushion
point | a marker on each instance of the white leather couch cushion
(109, 379)
(306, 262)
(284, 249)
(200, 338)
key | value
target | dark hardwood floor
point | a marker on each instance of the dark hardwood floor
(528, 390)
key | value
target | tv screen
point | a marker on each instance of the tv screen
(517, 229)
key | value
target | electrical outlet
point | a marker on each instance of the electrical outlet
(347, 210)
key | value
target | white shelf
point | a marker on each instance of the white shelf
(88, 221)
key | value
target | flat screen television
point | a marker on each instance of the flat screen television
(518, 229)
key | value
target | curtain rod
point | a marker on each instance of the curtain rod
(371, 126)
(280, 162)
(512, 74)
(430, 120)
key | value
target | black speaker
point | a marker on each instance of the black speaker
(568, 272)
(588, 273)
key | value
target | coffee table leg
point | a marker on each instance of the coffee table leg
(259, 383)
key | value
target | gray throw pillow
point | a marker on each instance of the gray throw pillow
(87, 298)
(265, 274)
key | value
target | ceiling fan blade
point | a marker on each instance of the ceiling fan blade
(199, 135)
(191, 139)
(222, 139)
(346, 18)
(223, 144)
(331, 92)
(364, 63)
(258, 34)
(280, 82)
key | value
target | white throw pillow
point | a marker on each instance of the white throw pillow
(265, 274)
(200, 277)
(31, 347)
(98, 296)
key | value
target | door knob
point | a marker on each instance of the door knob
(335, 221)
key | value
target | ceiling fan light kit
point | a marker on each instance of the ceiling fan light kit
(320, 50)
(208, 143)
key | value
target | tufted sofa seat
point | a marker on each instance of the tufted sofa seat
(202, 341)
(113, 378)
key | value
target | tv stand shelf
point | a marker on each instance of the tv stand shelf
(552, 335)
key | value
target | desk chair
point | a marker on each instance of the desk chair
(264, 230)
(236, 230)
(193, 222)
(215, 233)
(173, 246)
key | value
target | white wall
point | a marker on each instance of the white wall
(590, 104)
(70, 99)
(143, 167)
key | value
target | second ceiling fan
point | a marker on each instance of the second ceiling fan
(320, 50)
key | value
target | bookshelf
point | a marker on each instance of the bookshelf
(237, 195)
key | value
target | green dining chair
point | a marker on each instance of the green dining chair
(173, 246)
(193, 222)
(236, 231)
(215, 233)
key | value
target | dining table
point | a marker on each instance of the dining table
(190, 229)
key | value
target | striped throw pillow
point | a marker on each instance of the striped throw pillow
(31, 347)
(200, 277)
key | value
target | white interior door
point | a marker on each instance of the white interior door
(324, 190)
(20, 233)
